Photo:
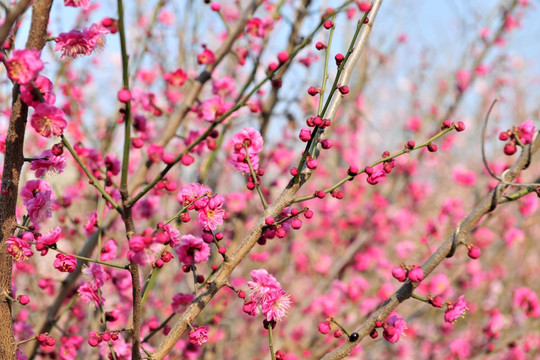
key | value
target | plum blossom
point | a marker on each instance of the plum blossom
(192, 250)
(77, 3)
(45, 88)
(89, 294)
(180, 301)
(48, 120)
(50, 237)
(454, 311)
(212, 214)
(527, 299)
(65, 263)
(24, 65)
(526, 132)
(213, 108)
(172, 235)
(75, 42)
(176, 78)
(18, 248)
(199, 336)
(47, 162)
(267, 296)
(252, 140)
(393, 328)
(38, 200)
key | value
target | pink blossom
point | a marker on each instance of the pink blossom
(213, 108)
(252, 140)
(206, 57)
(166, 17)
(176, 78)
(48, 120)
(89, 294)
(45, 88)
(461, 348)
(50, 237)
(113, 164)
(96, 274)
(75, 42)
(172, 235)
(199, 336)
(529, 205)
(77, 3)
(526, 132)
(212, 214)
(262, 284)
(191, 192)
(48, 162)
(18, 248)
(180, 301)
(527, 299)
(65, 263)
(276, 304)
(24, 65)
(376, 177)
(414, 123)
(514, 235)
(192, 249)
(225, 86)
(37, 197)
(250, 308)
(463, 79)
(393, 328)
(108, 251)
(454, 311)
(464, 177)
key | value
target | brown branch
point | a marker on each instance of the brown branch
(12, 15)
(444, 251)
(13, 162)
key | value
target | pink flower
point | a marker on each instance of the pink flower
(252, 140)
(212, 214)
(213, 108)
(514, 235)
(206, 57)
(199, 336)
(416, 274)
(166, 17)
(463, 79)
(50, 163)
(89, 294)
(96, 274)
(176, 78)
(50, 237)
(113, 164)
(527, 299)
(393, 328)
(37, 197)
(48, 120)
(24, 65)
(108, 251)
(276, 304)
(454, 311)
(192, 249)
(262, 284)
(191, 192)
(526, 132)
(414, 123)
(18, 248)
(44, 86)
(77, 3)
(180, 301)
(172, 235)
(324, 327)
(250, 308)
(464, 177)
(376, 177)
(65, 263)
(75, 42)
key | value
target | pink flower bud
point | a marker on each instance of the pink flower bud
(399, 273)
(324, 327)
(416, 274)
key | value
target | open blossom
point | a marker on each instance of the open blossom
(38, 200)
(48, 162)
(199, 336)
(18, 248)
(176, 78)
(65, 263)
(89, 294)
(24, 65)
(192, 249)
(48, 120)
(376, 177)
(454, 311)
(191, 192)
(527, 299)
(180, 301)
(252, 140)
(267, 294)
(393, 328)
(213, 108)
(77, 3)
(45, 88)
(212, 214)
(50, 237)
(173, 235)
(75, 42)
(526, 132)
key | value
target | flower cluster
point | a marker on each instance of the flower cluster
(523, 134)
(247, 144)
(455, 310)
(267, 297)
(38, 199)
(24, 65)
(48, 162)
(198, 197)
